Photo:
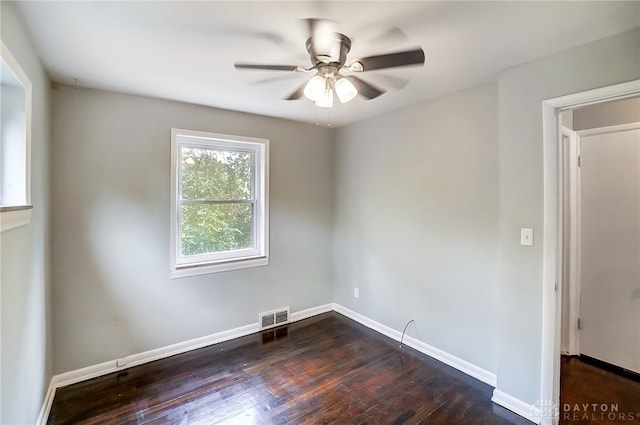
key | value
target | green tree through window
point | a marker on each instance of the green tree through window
(217, 201)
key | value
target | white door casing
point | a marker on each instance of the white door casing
(571, 242)
(552, 255)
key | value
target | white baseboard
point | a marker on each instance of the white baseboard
(516, 405)
(310, 312)
(110, 366)
(105, 368)
(46, 404)
(90, 372)
(446, 358)
(94, 371)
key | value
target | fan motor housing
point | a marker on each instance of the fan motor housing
(318, 57)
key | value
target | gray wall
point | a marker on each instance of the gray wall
(429, 205)
(416, 221)
(24, 257)
(566, 118)
(113, 295)
(521, 92)
(605, 114)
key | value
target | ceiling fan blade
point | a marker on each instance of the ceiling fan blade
(296, 94)
(389, 35)
(275, 79)
(312, 29)
(364, 88)
(391, 60)
(322, 37)
(388, 81)
(267, 67)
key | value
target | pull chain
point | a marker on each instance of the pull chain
(317, 122)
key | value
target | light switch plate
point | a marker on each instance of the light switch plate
(526, 237)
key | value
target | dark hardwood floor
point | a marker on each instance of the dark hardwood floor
(324, 370)
(593, 395)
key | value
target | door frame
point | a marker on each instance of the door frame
(570, 228)
(552, 232)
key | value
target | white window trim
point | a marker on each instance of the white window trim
(14, 216)
(181, 267)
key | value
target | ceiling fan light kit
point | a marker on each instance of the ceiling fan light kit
(326, 100)
(315, 88)
(328, 53)
(319, 89)
(345, 90)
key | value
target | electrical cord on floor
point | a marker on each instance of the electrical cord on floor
(404, 331)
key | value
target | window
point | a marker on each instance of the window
(220, 205)
(15, 143)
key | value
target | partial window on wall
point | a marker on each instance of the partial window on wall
(219, 202)
(15, 143)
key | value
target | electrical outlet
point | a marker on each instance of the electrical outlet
(356, 292)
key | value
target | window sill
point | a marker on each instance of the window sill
(185, 270)
(14, 216)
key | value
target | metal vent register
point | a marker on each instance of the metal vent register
(274, 318)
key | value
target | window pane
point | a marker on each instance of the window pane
(215, 228)
(209, 174)
(13, 138)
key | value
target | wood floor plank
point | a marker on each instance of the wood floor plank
(324, 370)
(591, 395)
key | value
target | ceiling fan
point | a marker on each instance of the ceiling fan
(328, 51)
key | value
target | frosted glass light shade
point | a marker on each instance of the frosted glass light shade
(315, 88)
(345, 90)
(326, 100)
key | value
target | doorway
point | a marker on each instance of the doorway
(600, 343)
(553, 255)
(601, 229)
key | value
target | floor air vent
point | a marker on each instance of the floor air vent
(274, 318)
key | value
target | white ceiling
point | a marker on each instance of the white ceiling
(186, 50)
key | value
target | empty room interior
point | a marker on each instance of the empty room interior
(237, 212)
